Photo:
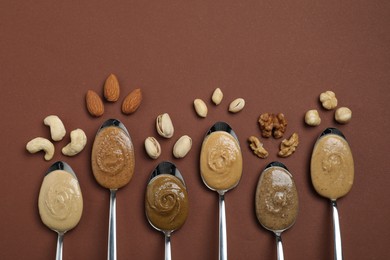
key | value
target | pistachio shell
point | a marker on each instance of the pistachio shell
(152, 147)
(182, 146)
(164, 125)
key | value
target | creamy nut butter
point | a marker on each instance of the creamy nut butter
(332, 167)
(112, 157)
(220, 161)
(60, 201)
(276, 200)
(166, 202)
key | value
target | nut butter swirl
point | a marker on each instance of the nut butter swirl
(60, 201)
(220, 161)
(112, 158)
(166, 202)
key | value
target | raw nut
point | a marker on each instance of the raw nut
(41, 144)
(237, 105)
(57, 128)
(132, 101)
(257, 147)
(217, 96)
(328, 100)
(312, 117)
(152, 147)
(111, 88)
(288, 146)
(343, 115)
(266, 122)
(200, 107)
(78, 140)
(182, 146)
(280, 125)
(94, 103)
(164, 125)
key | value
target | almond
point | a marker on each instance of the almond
(94, 103)
(111, 88)
(132, 101)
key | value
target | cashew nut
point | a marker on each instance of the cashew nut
(312, 118)
(57, 129)
(41, 144)
(343, 115)
(78, 140)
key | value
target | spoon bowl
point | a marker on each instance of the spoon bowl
(60, 201)
(113, 163)
(276, 201)
(221, 170)
(166, 201)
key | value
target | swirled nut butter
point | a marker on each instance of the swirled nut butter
(276, 200)
(112, 157)
(60, 201)
(166, 202)
(332, 167)
(220, 161)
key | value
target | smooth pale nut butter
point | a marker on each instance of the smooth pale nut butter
(166, 202)
(112, 157)
(60, 201)
(332, 166)
(276, 200)
(220, 161)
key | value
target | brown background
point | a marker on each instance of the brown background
(278, 55)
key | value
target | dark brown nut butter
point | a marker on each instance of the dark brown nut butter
(276, 199)
(166, 202)
(112, 157)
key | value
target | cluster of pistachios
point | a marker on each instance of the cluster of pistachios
(165, 129)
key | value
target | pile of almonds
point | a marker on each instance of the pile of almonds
(111, 92)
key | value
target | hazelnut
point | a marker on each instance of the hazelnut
(312, 118)
(343, 115)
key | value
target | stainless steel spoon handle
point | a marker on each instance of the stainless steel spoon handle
(338, 251)
(60, 240)
(167, 246)
(112, 227)
(222, 229)
(279, 246)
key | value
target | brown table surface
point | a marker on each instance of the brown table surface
(277, 55)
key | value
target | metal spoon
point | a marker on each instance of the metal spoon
(59, 165)
(112, 251)
(165, 168)
(224, 127)
(286, 193)
(338, 167)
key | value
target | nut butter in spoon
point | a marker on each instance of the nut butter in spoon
(332, 173)
(166, 201)
(276, 201)
(60, 201)
(113, 167)
(221, 170)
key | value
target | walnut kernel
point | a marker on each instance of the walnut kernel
(257, 147)
(288, 146)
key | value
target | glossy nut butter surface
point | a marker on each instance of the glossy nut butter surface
(166, 202)
(332, 167)
(220, 161)
(112, 157)
(276, 200)
(60, 201)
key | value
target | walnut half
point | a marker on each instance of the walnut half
(272, 125)
(257, 147)
(288, 146)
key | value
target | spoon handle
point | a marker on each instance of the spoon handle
(167, 246)
(222, 229)
(60, 240)
(279, 246)
(112, 227)
(338, 251)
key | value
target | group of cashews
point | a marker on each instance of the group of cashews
(78, 139)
